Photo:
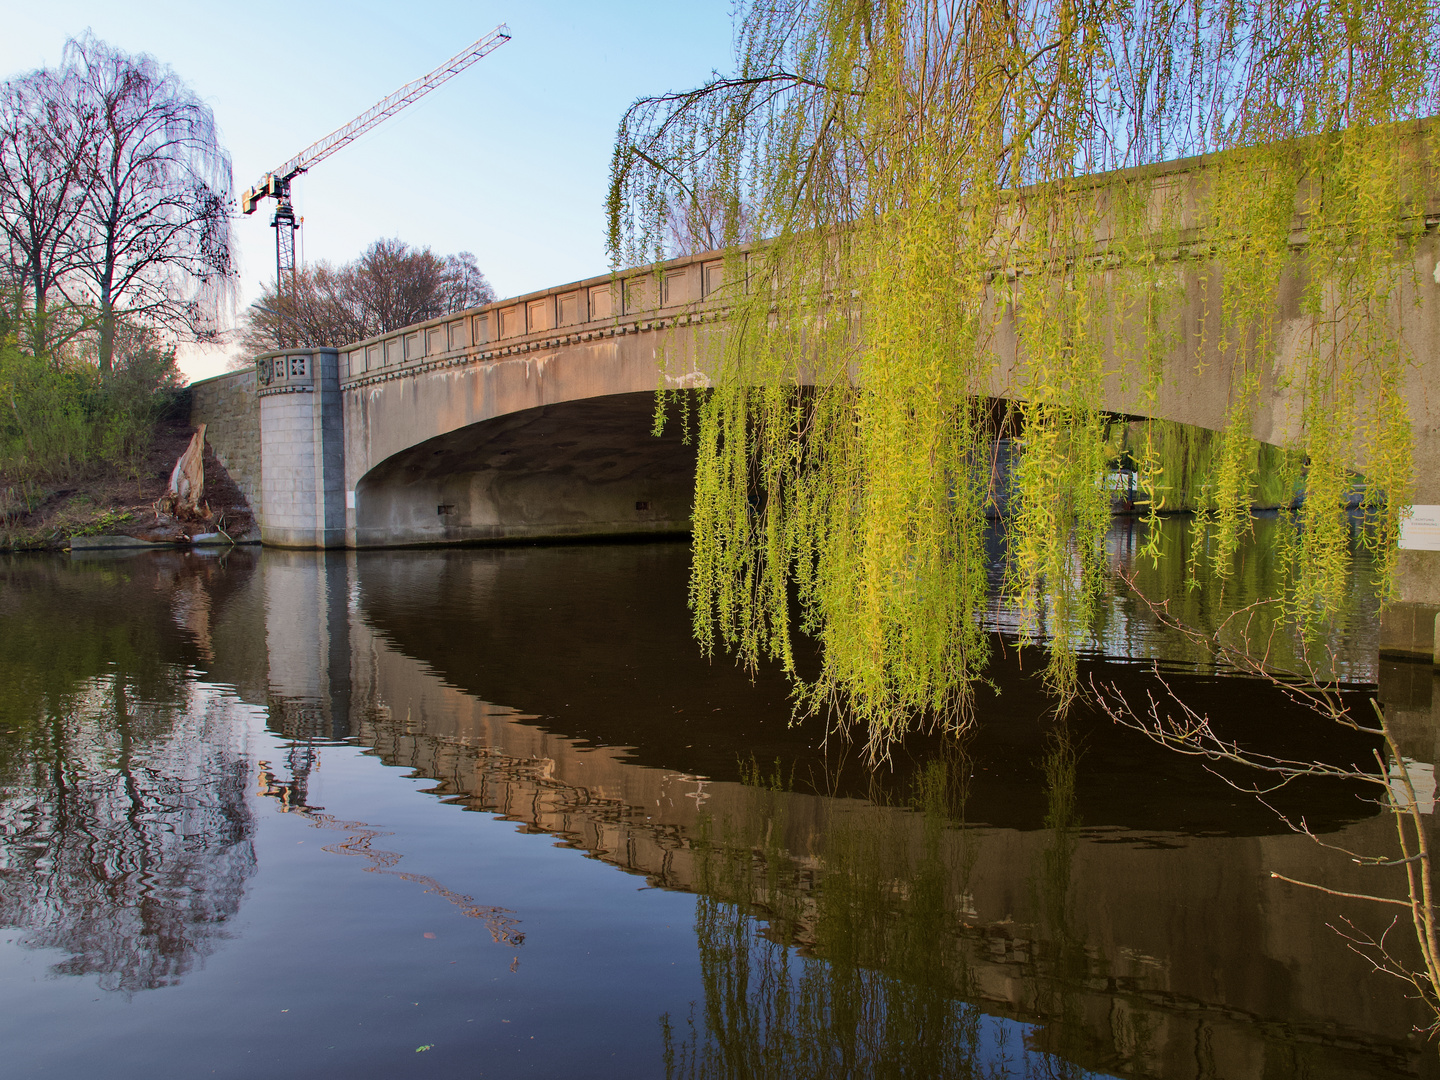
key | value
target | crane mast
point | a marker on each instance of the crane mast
(276, 183)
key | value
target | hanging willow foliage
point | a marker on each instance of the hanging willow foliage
(922, 182)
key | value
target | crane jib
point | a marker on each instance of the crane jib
(276, 183)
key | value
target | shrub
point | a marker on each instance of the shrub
(59, 420)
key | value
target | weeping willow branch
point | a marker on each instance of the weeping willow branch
(925, 178)
(1398, 798)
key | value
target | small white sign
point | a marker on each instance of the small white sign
(350, 505)
(1420, 530)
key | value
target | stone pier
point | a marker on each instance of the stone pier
(302, 432)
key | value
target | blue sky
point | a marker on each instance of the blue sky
(507, 160)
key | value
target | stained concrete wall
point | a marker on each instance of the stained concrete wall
(567, 366)
(435, 378)
(230, 408)
(584, 468)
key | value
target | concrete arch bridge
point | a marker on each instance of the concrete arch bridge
(530, 418)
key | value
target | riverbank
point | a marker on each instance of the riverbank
(104, 500)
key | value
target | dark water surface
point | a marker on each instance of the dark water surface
(234, 841)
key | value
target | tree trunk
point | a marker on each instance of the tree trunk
(107, 288)
(107, 338)
(39, 336)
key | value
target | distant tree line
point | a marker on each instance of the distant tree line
(389, 286)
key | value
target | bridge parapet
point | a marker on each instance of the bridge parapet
(691, 290)
(285, 372)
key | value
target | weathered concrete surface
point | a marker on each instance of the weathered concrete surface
(1408, 629)
(436, 378)
(302, 432)
(230, 408)
(587, 467)
(579, 346)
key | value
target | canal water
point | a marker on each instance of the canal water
(488, 813)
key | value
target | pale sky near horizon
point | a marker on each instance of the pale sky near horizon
(508, 160)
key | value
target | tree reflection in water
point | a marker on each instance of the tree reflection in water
(125, 835)
(1057, 938)
(858, 968)
(125, 838)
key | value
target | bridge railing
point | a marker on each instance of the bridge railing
(579, 311)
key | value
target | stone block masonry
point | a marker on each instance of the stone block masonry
(230, 408)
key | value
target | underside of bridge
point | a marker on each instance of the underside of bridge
(583, 468)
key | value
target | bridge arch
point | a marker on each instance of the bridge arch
(583, 467)
(618, 335)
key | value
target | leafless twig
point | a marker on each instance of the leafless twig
(1175, 724)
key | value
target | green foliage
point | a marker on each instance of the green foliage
(1184, 465)
(61, 419)
(923, 174)
(48, 667)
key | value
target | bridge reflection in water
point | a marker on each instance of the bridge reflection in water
(1042, 900)
(1113, 899)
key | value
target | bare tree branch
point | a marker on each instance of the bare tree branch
(389, 286)
(153, 236)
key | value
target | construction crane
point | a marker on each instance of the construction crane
(276, 183)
